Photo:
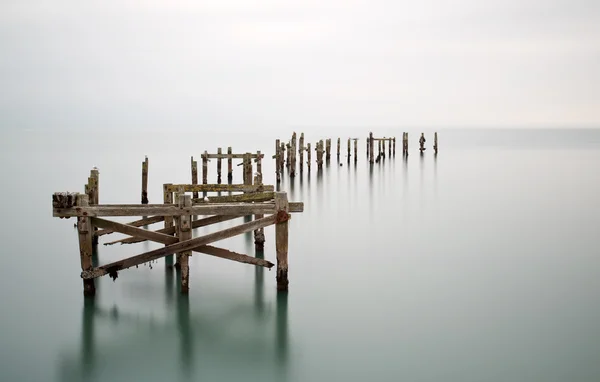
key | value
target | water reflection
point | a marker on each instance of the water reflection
(197, 340)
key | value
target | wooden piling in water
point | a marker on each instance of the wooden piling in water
(85, 232)
(219, 152)
(248, 169)
(368, 143)
(355, 150)
(349, 147)
(382, 147)
(327, 149)
(277, 160)
(145, 181)
(390, 147)
(394, 146)
(168, 199)
(229, 166)
(422, 143)
(184, 233)
(259, 163)
(259, 234)
(338, 148)
(435, 143)
(308, 154)
(320, 154)
(301, 153)
(371, 148)
(194, 175)
(91, 190)
(293, 156)
(281, 241)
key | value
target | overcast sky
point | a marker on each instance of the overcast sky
(305, 63)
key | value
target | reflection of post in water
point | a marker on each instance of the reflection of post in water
(292, 186)
(185, 336)
(281, 335)
(87, 336)
(169, 283)
(248, 236)
(259, 276)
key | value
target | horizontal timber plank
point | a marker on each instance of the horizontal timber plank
(167, 239)
(234, 156)
(250, 197)
(219, 188)
(137, 223)
(180, 247)
(172, 210)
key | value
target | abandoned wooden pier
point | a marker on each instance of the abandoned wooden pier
(177, 212)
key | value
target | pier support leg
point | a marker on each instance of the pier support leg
(194, 175)
(281, 243)
(185, 233)
(84, 229)
(168, 199)
(259, 234)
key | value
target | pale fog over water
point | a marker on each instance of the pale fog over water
(478, 264)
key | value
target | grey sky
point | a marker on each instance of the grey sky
(305, 63)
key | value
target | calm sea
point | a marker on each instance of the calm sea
(478, 264)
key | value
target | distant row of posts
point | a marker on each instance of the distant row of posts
(285, 153)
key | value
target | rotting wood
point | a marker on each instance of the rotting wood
(328, 149)
(259, 234)
(338, 147)
(205, 168)
(171, 230)
(64, 199)
(258, 161)
(301, 152)
(249, 197)
(355, 150)
(308, 154)
(394, 152)
(194, 175)
(435, 143)
(136, 223)
(277, 160)
(349, 144)
(220, 188)
(145, 181)
(84, 229)
(172, 210)
(229, 165)
(184, 234)
(169, 224)
(184, 245)
(220, 154)
(281, 242)
(371, 148)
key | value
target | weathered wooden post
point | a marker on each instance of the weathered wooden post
(422, 142)
(168, 199)
(308, 153)
(371, 147)
(184, 233)
(390, 147)
(282, 160)
(394, 141)
(91, 190)
(327, 149)
(301, 152)
(368, 142)
(259, 163)
(379, 147)
(355, 149)
(277, 159)
(205, 168)
(84, 229)
(435, 143)
(349, 145)
(259, 234)
(229, 166)
(219, 153)
(382, 141)
(338, 148)
(195, 175)
(320, 154)
(293, 156)
(281, 240)
(248, 168)
(145, 181)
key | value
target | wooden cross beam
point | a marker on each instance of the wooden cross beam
(171, 230)
(137, 223)
(173, 210)
(113, 268)
(217, 188)
(168, 239)
(251, 197)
